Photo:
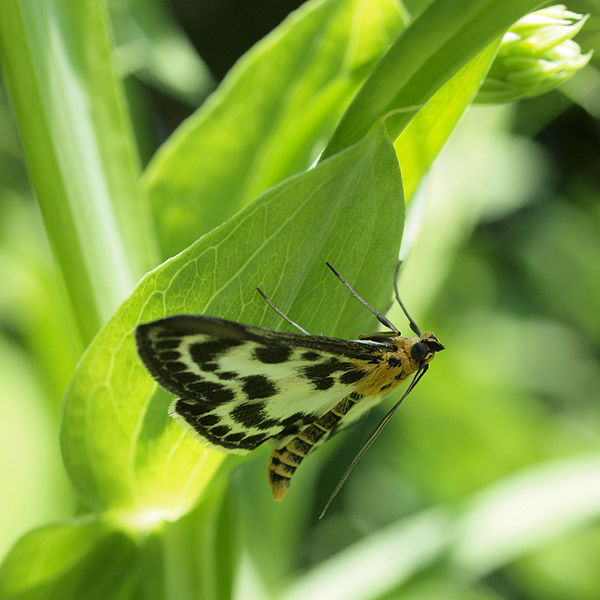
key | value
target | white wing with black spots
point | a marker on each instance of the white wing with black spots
(240, 385)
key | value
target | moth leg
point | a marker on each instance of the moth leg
(284, 461)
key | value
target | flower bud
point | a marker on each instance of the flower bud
(536, 55)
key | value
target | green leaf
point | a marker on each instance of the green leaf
(120, 448)
(446, 35)
(57, 63)
(423, 138)
(270, 117)
(83, 560)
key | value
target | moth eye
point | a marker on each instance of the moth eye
(419, 350)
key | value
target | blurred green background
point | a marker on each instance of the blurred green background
(487, 483)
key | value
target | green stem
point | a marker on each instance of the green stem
(79, 148)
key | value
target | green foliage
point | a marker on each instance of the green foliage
(81, 157)
(537, 54)
(257, 128)
(120, 448)
(425, 135)
(150, 44)
(453, 33)
(230, 202)
(78, 560)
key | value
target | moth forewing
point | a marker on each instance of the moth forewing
(239, 385)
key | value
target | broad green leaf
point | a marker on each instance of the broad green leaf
(443, 38)
(270, 117)
(56, 59)
(72, 561)
(120, 448)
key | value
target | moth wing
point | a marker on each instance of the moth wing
(239, 385)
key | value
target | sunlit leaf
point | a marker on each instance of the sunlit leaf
(444, 37)
(80, 560)
(423, 138)
(269, 118)
(121, 449)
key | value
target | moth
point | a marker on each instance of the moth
(239, 385)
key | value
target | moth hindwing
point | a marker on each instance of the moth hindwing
(238, 385)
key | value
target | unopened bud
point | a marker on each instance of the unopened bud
(536, 55)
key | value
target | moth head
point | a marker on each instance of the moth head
(424, 349)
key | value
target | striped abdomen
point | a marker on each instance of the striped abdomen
(284, 461)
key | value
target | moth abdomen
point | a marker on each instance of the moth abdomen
(284, 461)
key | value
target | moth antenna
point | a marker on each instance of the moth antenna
(418, 375)
(281, 313)
(413, 325)
(381, 318)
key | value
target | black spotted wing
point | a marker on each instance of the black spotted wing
(239, 385)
